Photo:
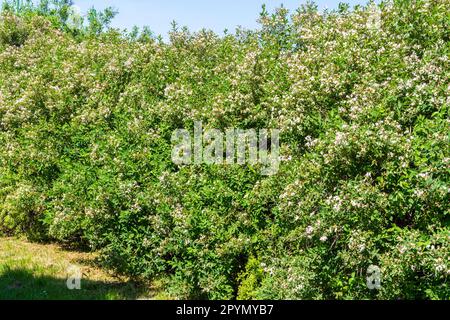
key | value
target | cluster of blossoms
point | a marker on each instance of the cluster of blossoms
(360, 97)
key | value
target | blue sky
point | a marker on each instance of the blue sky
(217, 15)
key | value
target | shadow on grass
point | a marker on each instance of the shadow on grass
(20, 284)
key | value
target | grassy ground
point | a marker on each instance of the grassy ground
(36, 271)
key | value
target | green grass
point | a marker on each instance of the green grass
(34, 271)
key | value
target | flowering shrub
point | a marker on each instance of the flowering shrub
(362, 103)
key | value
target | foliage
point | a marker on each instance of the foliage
(62, 15)
(363, 107)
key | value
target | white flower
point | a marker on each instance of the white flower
(128, 63)
(424, 175)
(418, 193)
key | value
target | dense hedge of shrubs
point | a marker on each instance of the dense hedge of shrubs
(361, 97)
